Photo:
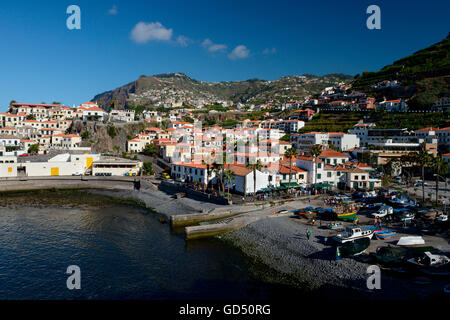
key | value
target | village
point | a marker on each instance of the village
(337, 191)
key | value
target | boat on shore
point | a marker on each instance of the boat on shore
(385, 234)
(346, 212)
(430, 264)
(353, 233)
(354, 248)
(410, 241)
(307, 212)
(337, 226)
(347, 216)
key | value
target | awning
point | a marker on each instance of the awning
(292, 184)
(323, 185)
(280, 188)
(266, 190)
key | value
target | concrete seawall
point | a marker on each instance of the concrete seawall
(184, 220)
(38, 183)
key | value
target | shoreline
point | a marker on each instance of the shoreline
(280, 246)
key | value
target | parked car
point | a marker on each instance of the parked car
(78, 173)
(165, 175)
(418, 183)
(383, 212)
(283, 211)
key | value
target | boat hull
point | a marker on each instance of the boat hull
(348, 216)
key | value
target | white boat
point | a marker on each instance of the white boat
(430, 260)
(402, 201)
(353, 233)
(442, 218)
(410, 241)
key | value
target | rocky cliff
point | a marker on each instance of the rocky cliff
(106, 137)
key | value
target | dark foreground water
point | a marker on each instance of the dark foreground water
(124, 253)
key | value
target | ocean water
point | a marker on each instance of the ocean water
(123, 252)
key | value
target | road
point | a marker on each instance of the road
(430, 190)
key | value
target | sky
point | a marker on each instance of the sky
(41, 60)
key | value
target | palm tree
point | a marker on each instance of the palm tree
(228, 176)
(440, 167)
(316, 151)
(254, 167)
(291, 152)
(216, 168)
(422, 159)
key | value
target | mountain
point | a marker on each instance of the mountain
(172, 88)
(424, 75)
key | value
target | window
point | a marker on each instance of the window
(338, 173)
(363, 177)
(329, 174)
(356, 177)
(319, 165)
(319, 176)
(301, 176)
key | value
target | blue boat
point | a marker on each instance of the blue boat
(384, 234)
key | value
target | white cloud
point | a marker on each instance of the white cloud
(183, 41)
(213, 47)
(240, 52)
(268, 51)
(113, 11)
(153, 31)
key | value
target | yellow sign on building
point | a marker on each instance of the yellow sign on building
(89, 161)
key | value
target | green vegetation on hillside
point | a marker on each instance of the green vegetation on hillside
(332, 122)
(424, 76)
(412, 121)
(433, 61)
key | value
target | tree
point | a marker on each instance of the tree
(12, 101)
(291, 152)
(31, 117)
(150, 150)
(255, 166)
(228, 176)
(147, 168)
(85, 135)
(421, 159)
(440, 167)
(112, 131)
(34, 148)
(316, 151)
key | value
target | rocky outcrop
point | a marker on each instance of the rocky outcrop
(108, 137)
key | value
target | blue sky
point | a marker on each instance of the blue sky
(42, 61)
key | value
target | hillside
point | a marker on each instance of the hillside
(164, 89)
(424, 75)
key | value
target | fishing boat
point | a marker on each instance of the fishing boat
(430, 260)
(410, 241)
(347, 216)
(354, 248)
(307, 213)
(384, 234)
(338, 226)
(404, 215)
(353, 233)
